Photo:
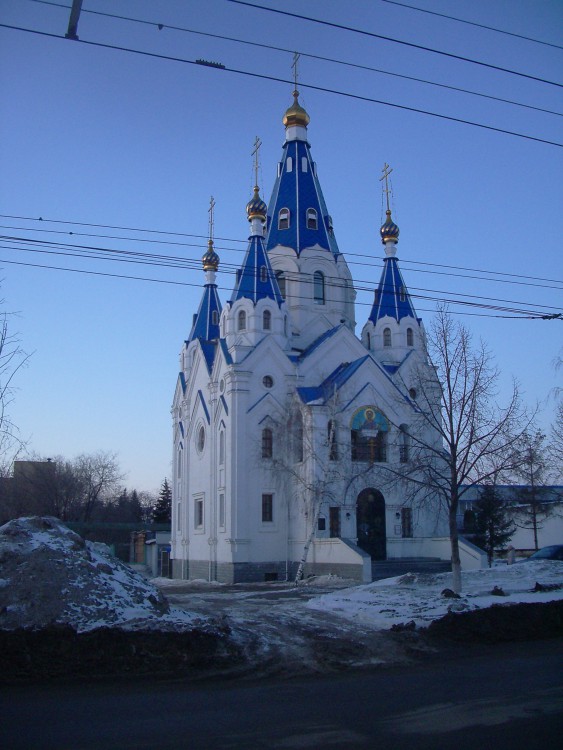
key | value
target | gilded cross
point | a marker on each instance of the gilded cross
(257, 144)
(385, 176)
(296, 57)
(210, 211)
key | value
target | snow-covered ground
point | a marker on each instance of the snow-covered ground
(419, 598)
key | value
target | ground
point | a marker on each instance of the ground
(69, 608)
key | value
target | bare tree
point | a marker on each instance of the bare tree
(12, 359)
(556, 442)
(463, 436)
(98, 474)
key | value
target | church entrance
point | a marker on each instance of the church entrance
(370, 520)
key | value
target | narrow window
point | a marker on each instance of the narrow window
(369, 340)
(406, 522)
(404, 444)
(329, 223)
(179, 516)
(402, 294)
(321, 523)
(376, 297)
(267, 508)
(280, 278)
(241, 320)
(266, 320)
(289, 163)
(198, 514)
(332, 444)
(311, 218)
(285, 325)
(334, 522)
(215, 317)
(387, 337)
(412, 393)
(222, 447)
(283, 218)
(318, 288)
(222, 510)
(201, 439)
(304, 165)
(263, 274)
(179, 467)
(298, 436)
(267, 443)
(410, 337)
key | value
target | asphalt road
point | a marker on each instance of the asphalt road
(506, 696)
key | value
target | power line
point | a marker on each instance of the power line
(473, 23)
(85, 252)
(513, 314)
(160, 26)
(225, 69)
(396, 41)
(511, 278)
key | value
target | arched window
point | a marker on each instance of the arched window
(304, 165)
(263, 274)
(386, 337)
(285, 325)
(332, 444)
(280, 278)
(267, 442)
(368, 340)
(410, 337)
(241, 320)
(215, 317)
(329, 223)
(222, 447)
(404, 443)
(412, 393)
(311, 218)
(403, 294)
(201, 439)
(283, 218)
(266, 320)
(289, 164)
(318, 288)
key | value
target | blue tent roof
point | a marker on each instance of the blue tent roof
(391, 297)
(256, 279)
(206, 324)
(298, 189)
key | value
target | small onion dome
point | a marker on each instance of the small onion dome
(256, 208)
(210, 259)
(296, 115)
(389, 230)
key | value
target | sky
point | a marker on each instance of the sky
(94, 137)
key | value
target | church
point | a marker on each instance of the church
(288, 428)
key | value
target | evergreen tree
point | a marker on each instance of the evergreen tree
(162, 510)
(535, 497)
(493, 529)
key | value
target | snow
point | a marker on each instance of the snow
(418, 597)
(51, 576)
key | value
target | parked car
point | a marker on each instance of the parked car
(553, 552)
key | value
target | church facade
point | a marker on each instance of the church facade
(290, 432)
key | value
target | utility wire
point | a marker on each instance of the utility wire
(513, 314)
(511, 277)
(225, 69)
(358, 66)
(396, 41)
(470, 23)
(89, 252)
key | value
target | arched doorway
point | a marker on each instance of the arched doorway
(370, 521)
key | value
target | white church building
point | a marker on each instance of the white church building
(285, 423)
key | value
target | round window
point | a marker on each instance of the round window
(267, 381)
(201, 439)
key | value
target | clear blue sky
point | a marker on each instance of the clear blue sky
(101, 136)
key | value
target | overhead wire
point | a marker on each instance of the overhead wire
(322, 58)
(387, 38)
(473, 23)
(224, 69)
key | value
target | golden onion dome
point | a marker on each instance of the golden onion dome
(256, 208)
(389, 230)
(210, 258)
(296, 115)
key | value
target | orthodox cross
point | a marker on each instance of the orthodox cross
(256, 149)
(210, 211)
(385, 176)
(296, 57)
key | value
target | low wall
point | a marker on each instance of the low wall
(472, 557)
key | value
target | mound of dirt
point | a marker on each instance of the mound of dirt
(50, 576)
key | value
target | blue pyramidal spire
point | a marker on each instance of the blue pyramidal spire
(391, 297)
(297, 213)
(206, 321)
(256, 279)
